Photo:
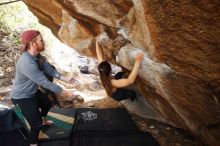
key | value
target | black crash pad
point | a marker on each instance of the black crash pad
(105, 121)
(138, 139)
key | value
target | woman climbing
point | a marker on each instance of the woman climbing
(115, 85)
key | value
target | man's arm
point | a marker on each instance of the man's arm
(31, 71)
(50, 70)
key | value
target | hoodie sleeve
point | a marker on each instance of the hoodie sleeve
(31, 70)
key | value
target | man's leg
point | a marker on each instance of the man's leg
(30, 110)
(45, 105)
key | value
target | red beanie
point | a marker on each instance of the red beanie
(26, 37)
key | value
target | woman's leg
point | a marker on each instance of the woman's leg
(30, 110)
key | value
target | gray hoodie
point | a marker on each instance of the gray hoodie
(29, 77)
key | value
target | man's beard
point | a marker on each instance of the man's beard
(40, 49)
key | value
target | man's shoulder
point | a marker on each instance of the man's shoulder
(25, 59)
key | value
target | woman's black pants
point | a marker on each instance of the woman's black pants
(33, 109)
(122, 94)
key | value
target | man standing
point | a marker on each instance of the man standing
(31, 71)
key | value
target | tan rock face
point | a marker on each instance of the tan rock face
(49, 13)
(180, 74)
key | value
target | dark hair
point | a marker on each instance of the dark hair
(104, 71)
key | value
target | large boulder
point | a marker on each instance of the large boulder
(180, 74)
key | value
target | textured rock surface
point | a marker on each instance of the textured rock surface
(180, 74)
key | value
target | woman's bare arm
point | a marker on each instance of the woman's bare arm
(98, 52)
(132, 76)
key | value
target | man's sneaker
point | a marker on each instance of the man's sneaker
(47, 123)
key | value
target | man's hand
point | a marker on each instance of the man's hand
(67, 93)
(73, 81)
(71, 96)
